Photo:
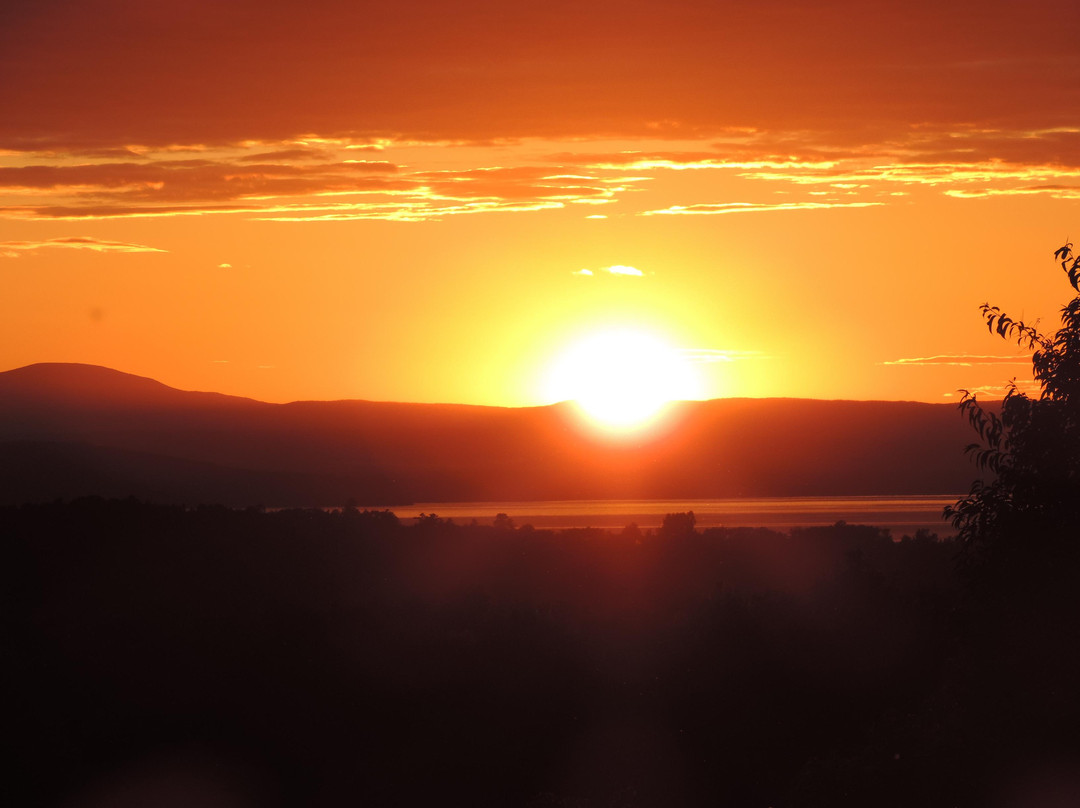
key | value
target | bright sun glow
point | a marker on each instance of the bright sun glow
(621, 379)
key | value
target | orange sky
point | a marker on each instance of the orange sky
(396, 202)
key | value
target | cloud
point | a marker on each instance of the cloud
(228, 180)
(12, 249)
(567, 69)
(922, 153)
(999, 390)
(417, 209)
(287, 154)
(689, 161)
(1057, 146)
(1055, 191)
(317, 178)
(90, 211)
(195, 179)
(963, 360)
(951, 158)
(710, 209)
(618, 270)
(927, 174)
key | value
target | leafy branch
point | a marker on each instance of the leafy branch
(1032, 450)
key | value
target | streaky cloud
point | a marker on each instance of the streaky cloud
(712, 209)
(963, 360)
(14, 248)
(1055, 191)
(618, 270)
(267, 177)
(999, 390)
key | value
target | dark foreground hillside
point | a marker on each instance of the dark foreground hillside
(163, 656)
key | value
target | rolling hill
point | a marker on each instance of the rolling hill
(68, 430)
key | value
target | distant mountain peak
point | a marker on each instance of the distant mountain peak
(77, 383)
(72, 372)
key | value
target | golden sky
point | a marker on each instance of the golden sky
(431, 201)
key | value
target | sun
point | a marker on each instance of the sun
(622, 378)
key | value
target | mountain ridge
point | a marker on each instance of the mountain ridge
(37, 371)
(214, 447)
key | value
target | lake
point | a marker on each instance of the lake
(901, 514)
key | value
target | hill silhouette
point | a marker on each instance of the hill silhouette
(68, 430)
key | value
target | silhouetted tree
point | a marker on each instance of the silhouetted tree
(678, 524)
(1033, 448)
(428, 522)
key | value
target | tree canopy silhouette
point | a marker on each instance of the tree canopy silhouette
(1032, 450)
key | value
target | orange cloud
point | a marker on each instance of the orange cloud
(80, 75)
(176, 180)
(230, 181)
(962, 360)
(711, 209)
(318, 178)
(12, 249)
(999, 390)
(754, 158)
(618, 270)
(1056, 191)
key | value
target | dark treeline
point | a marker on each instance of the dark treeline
(307, 658)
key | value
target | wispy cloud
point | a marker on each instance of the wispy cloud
(319, 178)
(619, 270)
(712, 209)
(940, 175)
(346, 68)
(686, 161)
(963, 360)
(12, 249)
(307, 183)
(418, 209)
(1056, 191)
(191, 183)
(1029, 388)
